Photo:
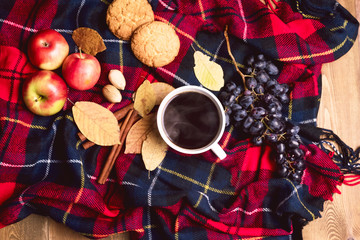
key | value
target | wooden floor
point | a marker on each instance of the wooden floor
(339, 111)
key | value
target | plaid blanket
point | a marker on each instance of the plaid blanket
(45, 170)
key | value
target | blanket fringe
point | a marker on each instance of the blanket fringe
(351, 180)
(271, 4)
(347, 159)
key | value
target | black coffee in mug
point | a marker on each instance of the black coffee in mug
(191, 120)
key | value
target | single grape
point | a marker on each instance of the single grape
(283, 171)
(280, 148)
(282, 88)
(256, 128)
(286, 88)
(247, 92)
(223, 96)
(260, 57)
(259, 65)
(276, 115)
(271, 68)
(284, 98)
(227, 120)
(300, 172)
(229, 86)
(251, 83)
(275, 89)
(267, 98)
(272, 108)
(293, 130)
(259, 89)
(258, 113)
(237, 91)
(293, 143)
(275, 124)
(257, 141)
(230, 99)
(245, 101)
(270, 83)
(229, 110)
(248, 122)
(250, 60)
(262, 77)
(248, 70)
(295, 177)
(271, 138)
(280, 158)
(299, 164)
(236, 107)
(239, 115)
(297, 153)
(275, 103)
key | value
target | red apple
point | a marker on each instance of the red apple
(47, 49)
(81, 71)
(44, 93)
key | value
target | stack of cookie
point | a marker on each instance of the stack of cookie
(154, 43)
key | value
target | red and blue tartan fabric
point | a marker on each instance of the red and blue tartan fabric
(44, 169)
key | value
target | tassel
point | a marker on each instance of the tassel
(351, 180)
(345, 157)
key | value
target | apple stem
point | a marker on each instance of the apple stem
(38, 98)
(81, 56)
(45, 44)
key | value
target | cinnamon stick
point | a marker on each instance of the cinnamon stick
(81, 136)
(131, 117)
(88, 144)
(121, 113)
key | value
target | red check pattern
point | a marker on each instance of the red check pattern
(44, 169)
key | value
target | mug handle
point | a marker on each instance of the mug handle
(218, 151)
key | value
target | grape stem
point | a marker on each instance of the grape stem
(267, 126)
(291, 166)
(232, 56)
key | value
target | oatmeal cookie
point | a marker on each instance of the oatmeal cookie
(155, 44)
(124, 16)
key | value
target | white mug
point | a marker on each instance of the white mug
(213, 144)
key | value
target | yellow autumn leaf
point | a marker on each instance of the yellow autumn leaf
(153, 150)
(145, 98)
(209, 73)
(98, 124)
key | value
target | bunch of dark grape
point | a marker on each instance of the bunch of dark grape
(254, 106)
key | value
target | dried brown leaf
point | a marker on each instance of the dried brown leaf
(145, 98)
(96, 123)
(153, 150)
(138, 133)
(161, 89)
(89, 40)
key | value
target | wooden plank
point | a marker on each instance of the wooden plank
(32, 227)
(340, 112)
